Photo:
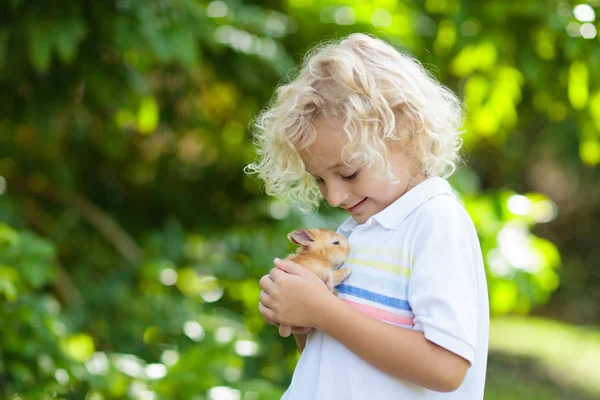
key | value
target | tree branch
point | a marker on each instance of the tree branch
(101, 220)
(66, 291)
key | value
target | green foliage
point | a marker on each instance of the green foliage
(522, 267)
(551, 346)
(131, 241)
(33, 327)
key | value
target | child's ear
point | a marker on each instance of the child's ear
(300, 237)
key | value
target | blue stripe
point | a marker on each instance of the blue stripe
(374, 297)
(393, 286)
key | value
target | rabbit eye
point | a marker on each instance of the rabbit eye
(336, 242)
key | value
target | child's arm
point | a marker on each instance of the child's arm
(300, 333)
(300, 340)
(400, 352)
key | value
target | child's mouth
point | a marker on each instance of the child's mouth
(356, 207)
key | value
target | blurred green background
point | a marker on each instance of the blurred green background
(131, 242)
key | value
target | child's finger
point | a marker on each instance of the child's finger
(267, 313)
(265, 299)
(267, 284)
(267, 320)
(290, 267)
(275, 274)
(285, 330)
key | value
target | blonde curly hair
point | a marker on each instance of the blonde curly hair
(383, 97)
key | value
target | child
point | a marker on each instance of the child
(366, 128)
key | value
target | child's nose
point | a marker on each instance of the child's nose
(336, 195)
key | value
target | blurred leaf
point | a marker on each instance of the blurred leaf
(40, 47)
(68, 36)
(8, 281)
(147, 118)
(578, 85)
(80, 347)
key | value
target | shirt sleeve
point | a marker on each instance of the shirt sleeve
(443, 285)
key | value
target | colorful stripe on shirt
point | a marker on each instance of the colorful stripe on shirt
(374, 297)
(378, 286)
(382, 315)
(370, 251)
(379, 281)
(381, 265)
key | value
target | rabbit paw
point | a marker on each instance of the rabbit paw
(345, 274)
(327, 278)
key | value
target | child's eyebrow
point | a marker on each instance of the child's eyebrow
(340, 164)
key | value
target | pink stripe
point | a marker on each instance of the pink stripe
(382, 314)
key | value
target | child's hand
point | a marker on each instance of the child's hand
(292, 295)
(298, 330)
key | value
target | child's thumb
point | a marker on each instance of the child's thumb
(289, 266)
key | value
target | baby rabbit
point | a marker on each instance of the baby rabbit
(323, 252)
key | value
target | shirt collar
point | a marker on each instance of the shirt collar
(392, 216)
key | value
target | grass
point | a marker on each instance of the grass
(537, 359)
(516, 378)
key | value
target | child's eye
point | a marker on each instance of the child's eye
(350, 177)
(319, 180)
(336, 242)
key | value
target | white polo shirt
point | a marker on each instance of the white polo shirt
(416, 264)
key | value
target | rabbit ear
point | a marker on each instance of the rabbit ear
(300, 237)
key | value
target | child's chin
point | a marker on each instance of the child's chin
(360, 219)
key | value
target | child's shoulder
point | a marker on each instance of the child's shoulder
(442, 211)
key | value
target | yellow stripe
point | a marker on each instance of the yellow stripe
(390, 252)
(385, 266)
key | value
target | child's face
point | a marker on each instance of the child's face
(353, 189)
